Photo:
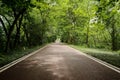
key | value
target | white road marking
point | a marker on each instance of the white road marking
(114, 68)
(93, 58)
(20, 59)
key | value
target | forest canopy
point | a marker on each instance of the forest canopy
(90, 23)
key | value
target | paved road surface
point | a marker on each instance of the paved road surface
(59, 62)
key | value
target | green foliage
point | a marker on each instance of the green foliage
(94, 23)
(17, 4)
(105, 55)
(107, 12)
(5, 59)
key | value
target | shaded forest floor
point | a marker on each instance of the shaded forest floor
(112, 57)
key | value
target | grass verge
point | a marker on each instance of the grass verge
(7, 58)
(105, 55)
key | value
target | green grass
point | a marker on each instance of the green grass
(7, 58)
(111, 57)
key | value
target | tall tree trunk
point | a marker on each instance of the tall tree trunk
(87, 36)
(4, 28)
(6, 20)
(113, 36)
(12, 28)
(17, 36)
(27, 35)
(88, 24)
(113, 33)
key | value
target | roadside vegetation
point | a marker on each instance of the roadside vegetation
(112, 57)
(15, 54)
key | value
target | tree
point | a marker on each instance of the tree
(107, 11)
(18, 8)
